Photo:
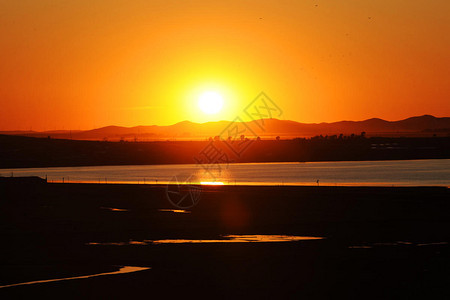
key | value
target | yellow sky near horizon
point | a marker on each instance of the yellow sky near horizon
(83, 64)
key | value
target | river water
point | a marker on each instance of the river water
(431, 172)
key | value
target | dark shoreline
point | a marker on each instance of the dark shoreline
(28, 152)
(379, 241)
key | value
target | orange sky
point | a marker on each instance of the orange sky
(82, 64)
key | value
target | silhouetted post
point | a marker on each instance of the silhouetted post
(63, 179)
(106, 181)
(317, 182)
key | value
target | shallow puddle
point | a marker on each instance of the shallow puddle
(241, 239)
(114, 209)
(181, 211)
(398, 243)
(251, 238)
(122, 270)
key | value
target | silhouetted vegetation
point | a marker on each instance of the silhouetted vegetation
(17, 152)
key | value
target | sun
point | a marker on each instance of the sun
(210, 102)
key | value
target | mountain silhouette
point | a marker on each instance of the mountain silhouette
(418, 125)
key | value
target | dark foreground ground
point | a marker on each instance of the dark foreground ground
(379, 242)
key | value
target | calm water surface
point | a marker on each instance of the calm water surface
(122, 270)
(432, 172)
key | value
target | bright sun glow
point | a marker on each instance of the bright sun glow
(210, 102)
(211, 183)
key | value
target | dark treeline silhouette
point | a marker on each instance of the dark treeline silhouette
(18, 152)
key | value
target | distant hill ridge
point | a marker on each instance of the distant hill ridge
(271, 127)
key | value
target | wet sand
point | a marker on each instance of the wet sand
(376, 242)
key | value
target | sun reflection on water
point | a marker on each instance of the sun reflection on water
(211, 183)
